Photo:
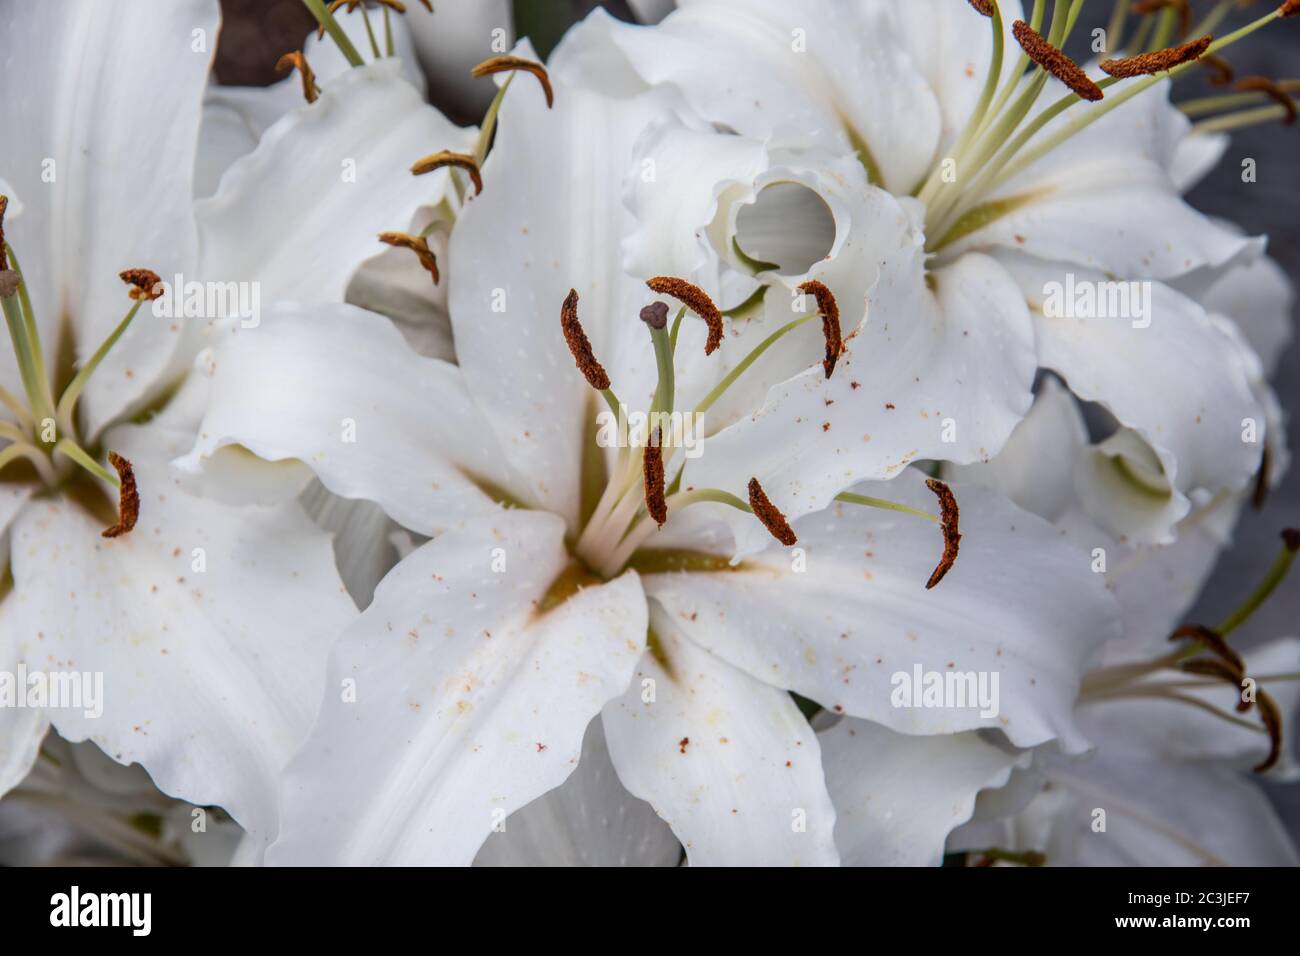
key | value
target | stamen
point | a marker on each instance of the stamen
(949, 516)
(1183, 7)
(1262, 84)
(695, 299)
(146, 284)
(656, 505)
(1274, 577)
(8, 284)
(830, 313)
(1271, 716)
(417, 244)
(1289, 9)
(1055, 62)
(770, 514)
(1263, 479)
(447, 158)
(580, 345)
(1148, 64)
(983, 7)
(507, 64)
(128, 497)
(1214, 642)
(4, 255)
(336, 32)
(1221, 72)
(296, 61)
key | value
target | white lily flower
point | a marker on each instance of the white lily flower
(466, 689)
(1163, 785)
(1005, 196)
(207, 623)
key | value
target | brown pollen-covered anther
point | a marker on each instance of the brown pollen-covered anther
(1055, 62)
(507, 64)
(830, 313)
(770, 514)
(4, 252)
(1221, 72)
(295, 60)
(128, 497)
(447, 158)
(1263, 84)
(1289, 9)
(1158, 61)
(1271, 716)
(695, 299)
(949, 517)
(983, 7)
(145, 283)
(652, 468)
(417, 244)
(1184, 8)
(1214, 642)
(580, 345)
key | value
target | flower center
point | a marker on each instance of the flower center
(42, 437)
(639, 495)
(1000, 140)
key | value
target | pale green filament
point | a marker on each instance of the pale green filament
(68, 401)
(340, 38)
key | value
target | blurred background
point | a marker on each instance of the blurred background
(257, 32)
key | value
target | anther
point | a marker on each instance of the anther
(1262, 84)
(447, 158)
(1055, 62)
(1289, 9)
(1148, 64)
(949, 517)
(1184, 8)
(580, 345)
(417, 244)
(1263, 479)
(296, 60)
(506, 64)
(652, 467)
(655, 315)
(144, 283)
(695, 299)
(1214, 642)
(128, 497)
(770, 514)
(1271, 716)
(1221, 72)
(4, 253)
(830, 313)
(983, 7)
(9, 283)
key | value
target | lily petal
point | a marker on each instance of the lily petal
(1020, 602)
(729, 762)
(208, 624)
(897, 797)
(359, 407)
(458, 695)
